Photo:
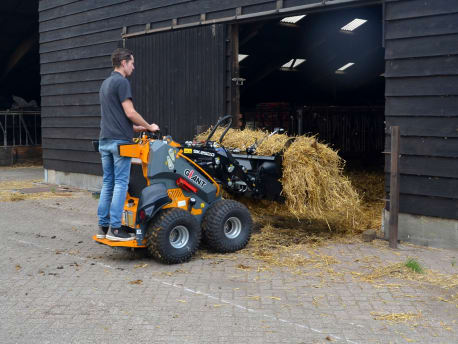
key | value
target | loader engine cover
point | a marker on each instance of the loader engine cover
(166, 165)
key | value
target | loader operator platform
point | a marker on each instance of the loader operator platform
(118, 122)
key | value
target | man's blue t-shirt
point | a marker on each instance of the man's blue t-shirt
(114, 123)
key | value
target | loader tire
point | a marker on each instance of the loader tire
(227, 226)
(173, 236)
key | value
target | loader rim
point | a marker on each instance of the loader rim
(158, 236)
(232, 227)
(179, 236)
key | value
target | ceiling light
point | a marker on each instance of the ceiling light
(292, 20)
(293, 63)
(242, 57)
(353, 24)
(298, 62)
(348, 65)
(288, 64)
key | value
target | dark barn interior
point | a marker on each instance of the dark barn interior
(20, 120)
(19, 58)
(293, 79)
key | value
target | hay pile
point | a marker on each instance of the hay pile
(313, 182)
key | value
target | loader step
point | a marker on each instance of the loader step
(132, 243)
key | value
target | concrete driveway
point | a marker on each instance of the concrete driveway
(58, 286)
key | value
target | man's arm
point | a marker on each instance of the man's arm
(135, 117)
(138, 128)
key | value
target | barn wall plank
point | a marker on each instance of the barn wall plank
(426, 146)
(72, 100)
(426, 186)
(71, 133)
(429, 106)
(81, 41)
(99, 74)
(419, 8)
(426, 166)
(73, 8)
(70, 122)
(422, 86)
(422, 66)
(83, 87)
(92, 63)
(425, 126)
(72, 155)
(423, 26)
(67, 111)
(68, 144)
(421, 46)
(73, 166)
(429, 206)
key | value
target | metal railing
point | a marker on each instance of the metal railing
(20, 128)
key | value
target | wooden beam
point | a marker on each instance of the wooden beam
(394, 187)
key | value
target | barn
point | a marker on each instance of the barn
(346, 70)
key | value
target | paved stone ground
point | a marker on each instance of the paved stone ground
(58, 286)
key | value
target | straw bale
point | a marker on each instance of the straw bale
(313, 181)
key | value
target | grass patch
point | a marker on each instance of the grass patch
(414, 265)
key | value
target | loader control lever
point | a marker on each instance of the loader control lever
(219, 123)
(252, 149)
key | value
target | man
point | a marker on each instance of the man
(118, 123)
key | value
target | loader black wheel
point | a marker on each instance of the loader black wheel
(173, 236)
(227, 226)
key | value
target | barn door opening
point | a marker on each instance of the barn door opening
(180, 76)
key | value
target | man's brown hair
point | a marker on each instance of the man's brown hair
(119, 55)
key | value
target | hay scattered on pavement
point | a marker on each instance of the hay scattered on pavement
(396, 317)
(291, 248)
(10, 191)
(400, 271)
(17, 184)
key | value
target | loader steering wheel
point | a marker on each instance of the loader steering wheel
(219, 123)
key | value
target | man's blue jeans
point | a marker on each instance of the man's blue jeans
(116, 171)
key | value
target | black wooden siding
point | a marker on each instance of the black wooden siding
(421, 41)
(180, 83)
(76, 40)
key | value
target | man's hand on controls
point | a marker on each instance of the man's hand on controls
(153, 127)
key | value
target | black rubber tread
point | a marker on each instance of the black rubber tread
(157, 236)
(213, 226)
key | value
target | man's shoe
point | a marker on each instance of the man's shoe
(119, 234)
(101, 234)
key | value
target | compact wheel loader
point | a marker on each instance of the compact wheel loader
(174, 198)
